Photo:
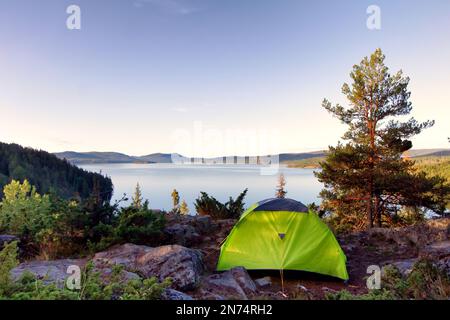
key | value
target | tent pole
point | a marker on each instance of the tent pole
(282, 280)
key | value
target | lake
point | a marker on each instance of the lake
(220, 181)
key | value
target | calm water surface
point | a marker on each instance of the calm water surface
(221, 181)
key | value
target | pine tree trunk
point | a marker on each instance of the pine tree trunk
(371, 127)
(377, 211)
(369, 211)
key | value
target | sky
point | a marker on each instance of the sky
(208, 77)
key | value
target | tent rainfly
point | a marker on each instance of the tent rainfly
(282, 234)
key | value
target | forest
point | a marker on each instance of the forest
(50, 174)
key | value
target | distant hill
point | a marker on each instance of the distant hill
(49, 173)
(112, 157)
(115, 157)
(95, 157)
(305, 163)
(427, 152)
(285, 157)
(156, 158)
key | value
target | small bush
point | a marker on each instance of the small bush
(371, 295)
(139, 225)
(8, 261)
(232, 209)
(427, 281)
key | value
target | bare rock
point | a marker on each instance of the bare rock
(439, 253)
(50, 272)
(403, 266)
(303, 293)
(5, 239)
(419, 235)
(437, 250)
(244, 280)
(184, 266)
(264, 282)
(107, 273)
(125, 255)
(203, 224)
(231, 284)
(171, 294)
(182, 234)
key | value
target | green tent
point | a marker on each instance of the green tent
(282, 234)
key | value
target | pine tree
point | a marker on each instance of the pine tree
(175, 198)
(137, 197)
(184, 209)
(280, 191)
(367, 176)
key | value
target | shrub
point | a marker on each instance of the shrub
(30, 288)
(24, 212)
(427, 281)
(8, 261)
(371, 295)
(139, 225)
(147, 289)
(208, 205)
(52, 227)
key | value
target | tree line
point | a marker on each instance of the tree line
(49, 174)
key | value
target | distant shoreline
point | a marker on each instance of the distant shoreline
(294, 160)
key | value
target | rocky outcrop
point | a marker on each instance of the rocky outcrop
(264, 282)
(107, 273)
(125, 255)
(232, 284)
(403, 266)
(438, 252)
(5, 239)
(202, 224)
(187, 230)
(171, 294)
(184, 266)
(182, 234)
(419, 235)
(50, 272)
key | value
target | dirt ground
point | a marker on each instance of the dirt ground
(362, 249)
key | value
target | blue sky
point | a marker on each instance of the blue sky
(141, 73)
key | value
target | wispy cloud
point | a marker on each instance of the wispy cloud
(171, 6)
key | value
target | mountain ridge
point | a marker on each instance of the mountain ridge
(94, 157)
